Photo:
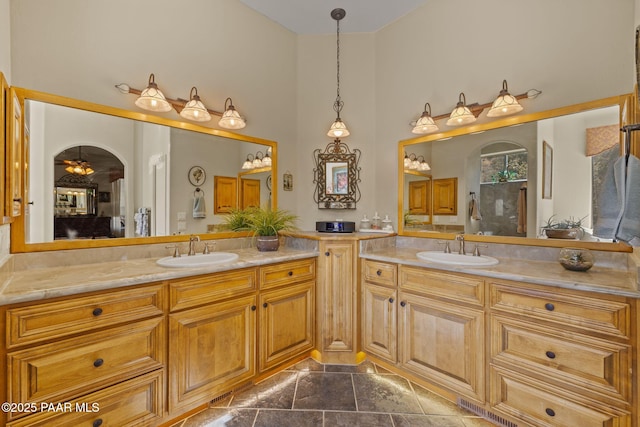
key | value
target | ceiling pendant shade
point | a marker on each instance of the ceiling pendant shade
(338, 128)
(152, 99)
(461, 115)
(231, 118)
(505, 104)
(195, 109)
(425, 124)
(78, 166)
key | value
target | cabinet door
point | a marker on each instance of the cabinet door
(336, 297)
(14, 156)
(379, 321)
(249, 193)
(444, 343)
(445, 196)
(287, 321)
(225, 190)
(420, 197)
(211, 349)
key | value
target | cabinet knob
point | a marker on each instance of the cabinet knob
(290, 273)
(253, 308)
(391, 300)
(402, 303)
(549, 306)
(97, 423)
(17, 199)
(550, 354)
(550, 412)
(97, 311)
(98, 362)
(379, 272)
(265, 305)
(327, 253)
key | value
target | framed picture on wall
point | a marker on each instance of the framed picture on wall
(547, 170)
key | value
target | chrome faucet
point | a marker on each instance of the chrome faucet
(192, 244)
(460, 238)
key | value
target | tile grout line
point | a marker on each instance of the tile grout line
(295, 391)
(415, 395)
(355, 397)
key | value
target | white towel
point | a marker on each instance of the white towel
(199, 210)
(629, 229)
(474, 208)
(611, 202)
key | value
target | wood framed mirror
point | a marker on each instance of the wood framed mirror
(336, 175)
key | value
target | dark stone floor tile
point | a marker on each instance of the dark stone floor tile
(331, 391)
(275, 392)
(356, 419)
(362, 368)
(408, 420)
(432, 404)
(219, 417)
(307, 365)
(277, 418)
(385, 393)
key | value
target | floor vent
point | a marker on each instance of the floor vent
(487, 415)
(221, 397)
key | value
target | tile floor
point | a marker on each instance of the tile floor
(313, 394)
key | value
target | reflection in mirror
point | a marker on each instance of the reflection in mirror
(337, 175)
(418, 195)
(499, 170)
(140, 176)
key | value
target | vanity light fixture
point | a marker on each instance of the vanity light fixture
(195, 109)
(230, 118)
(248, 164)
(152, 99)
(461, 115)
(416, 163)
(338, 128)
(266, 161)
(505, 104)
(257, 161)
(425, 123)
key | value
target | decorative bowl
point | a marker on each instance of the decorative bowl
(576, 259)
(562, 233)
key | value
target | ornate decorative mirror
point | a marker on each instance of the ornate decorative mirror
(336, 176)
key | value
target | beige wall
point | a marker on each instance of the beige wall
(572, 50)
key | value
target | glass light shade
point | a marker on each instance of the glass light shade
(79, 170)
(461, 115)
(504, 105)
(195, 110)
(406, 161)
(415, 165)
(425, 124)
(267, 160)
(152, 99)
(257, 163)
(338, 129)
(231, 119)
(248, 164)
(424, 166)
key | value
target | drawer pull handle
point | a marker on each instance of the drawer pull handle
(379, 272)
(550, 412)
(391, 300)
(98, 362)
(290, 273)
(97, 423)
(402, 303)
(97, 311)
(550, 354)
(265, 305)
(549, 306)
(253, 308)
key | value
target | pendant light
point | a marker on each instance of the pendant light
(461, 115)
(505, 104)
(338, 128)
(195, 109)
(231, 118)
(152, 99)
(425, 123)
(78, 166)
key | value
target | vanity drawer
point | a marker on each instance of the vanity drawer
(454, 287)
(568, 360)
(287, 273)
(65, 369)
(538, 405)
(380, 273)
(201, 290)
(47, 321)
(137, 402)
(606, 315)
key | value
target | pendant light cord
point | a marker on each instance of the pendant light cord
(337, 106)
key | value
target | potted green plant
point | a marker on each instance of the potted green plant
(570, 228)
(264, 224)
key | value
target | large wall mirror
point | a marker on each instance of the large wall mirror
(100, 176)
(516, 173)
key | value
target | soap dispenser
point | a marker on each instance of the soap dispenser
(365, 224)
(376, 224)
(386, 224)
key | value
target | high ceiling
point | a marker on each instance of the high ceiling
(314, 16)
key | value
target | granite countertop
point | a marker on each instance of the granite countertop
(40, 283)
(597, 279)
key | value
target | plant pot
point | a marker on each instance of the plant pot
(267, 243)
(562, 233)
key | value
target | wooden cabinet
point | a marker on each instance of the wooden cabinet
(420, 197)
(225, 194)
(379, 309)
(287, 312)
(445, 196)
(107, 348)
(249, 193)
(14, 155)
(560, 357)
(337, 299)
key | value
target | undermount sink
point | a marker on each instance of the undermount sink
(201, 260)
(456, 259)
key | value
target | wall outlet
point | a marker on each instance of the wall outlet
(182, 216)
